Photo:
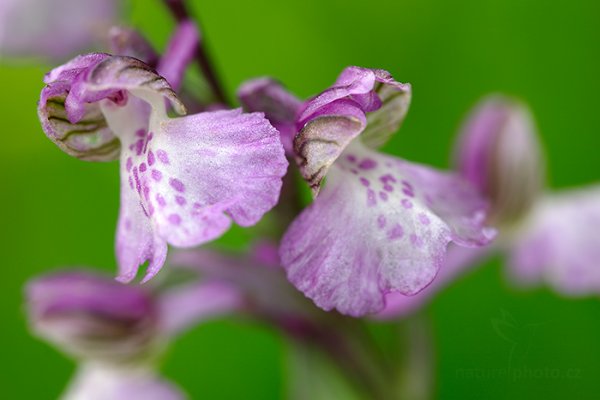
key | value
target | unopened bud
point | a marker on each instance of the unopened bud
(92, 317)
(499, 152)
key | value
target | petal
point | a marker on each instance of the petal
(280, 106)
(136, 241)
(101, 382)
(179, 53)
(214, 167)
(322, 140)
(69, 107)
(383, 122)
(329, 122)
(185, 180)
(114, 75)
(381, 225)
(560, 243)
(458, 261)
(90, 138)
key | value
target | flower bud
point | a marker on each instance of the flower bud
(500, 154)
(91, 316)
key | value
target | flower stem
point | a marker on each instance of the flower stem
(341, 343)
(180, 12)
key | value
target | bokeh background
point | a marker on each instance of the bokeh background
(58, 211)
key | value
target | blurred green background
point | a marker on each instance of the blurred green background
(58, 211)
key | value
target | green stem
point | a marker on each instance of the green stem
(414, 372)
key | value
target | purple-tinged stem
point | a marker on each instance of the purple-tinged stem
(181, 14)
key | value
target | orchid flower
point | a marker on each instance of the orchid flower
(381, 224)
(38, 28)
(183, 180)
(115, 331)
(546, 236)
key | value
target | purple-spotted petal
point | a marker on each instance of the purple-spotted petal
(458, 261)
(362, 101)
(102, 382)
(193, 176)
(381, 225)
(280, 106)
(560, 243)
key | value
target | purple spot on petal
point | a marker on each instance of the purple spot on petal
(162, 156)
(138, 185)
(180, 200)
(371, 200)
(150, 158)
(367, 163)
(364, 181)
(408, 192)
(127, 224)
(406, 203)
(381, 221)
(156, 175)
(354, 171)
(351, 158)
(146, 192)
(175, 219)
(177, 184)
(424, 219)
(143, 167)
(130, 182)
(160, 200)
(396, 232)
(139, 146)
(388, 188)
(383, 196)
(140, 132)
(387, 178)
(416, 240)
(150, 209)
(129, 164)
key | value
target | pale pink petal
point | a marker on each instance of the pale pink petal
(560, 243)
(380, 225)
